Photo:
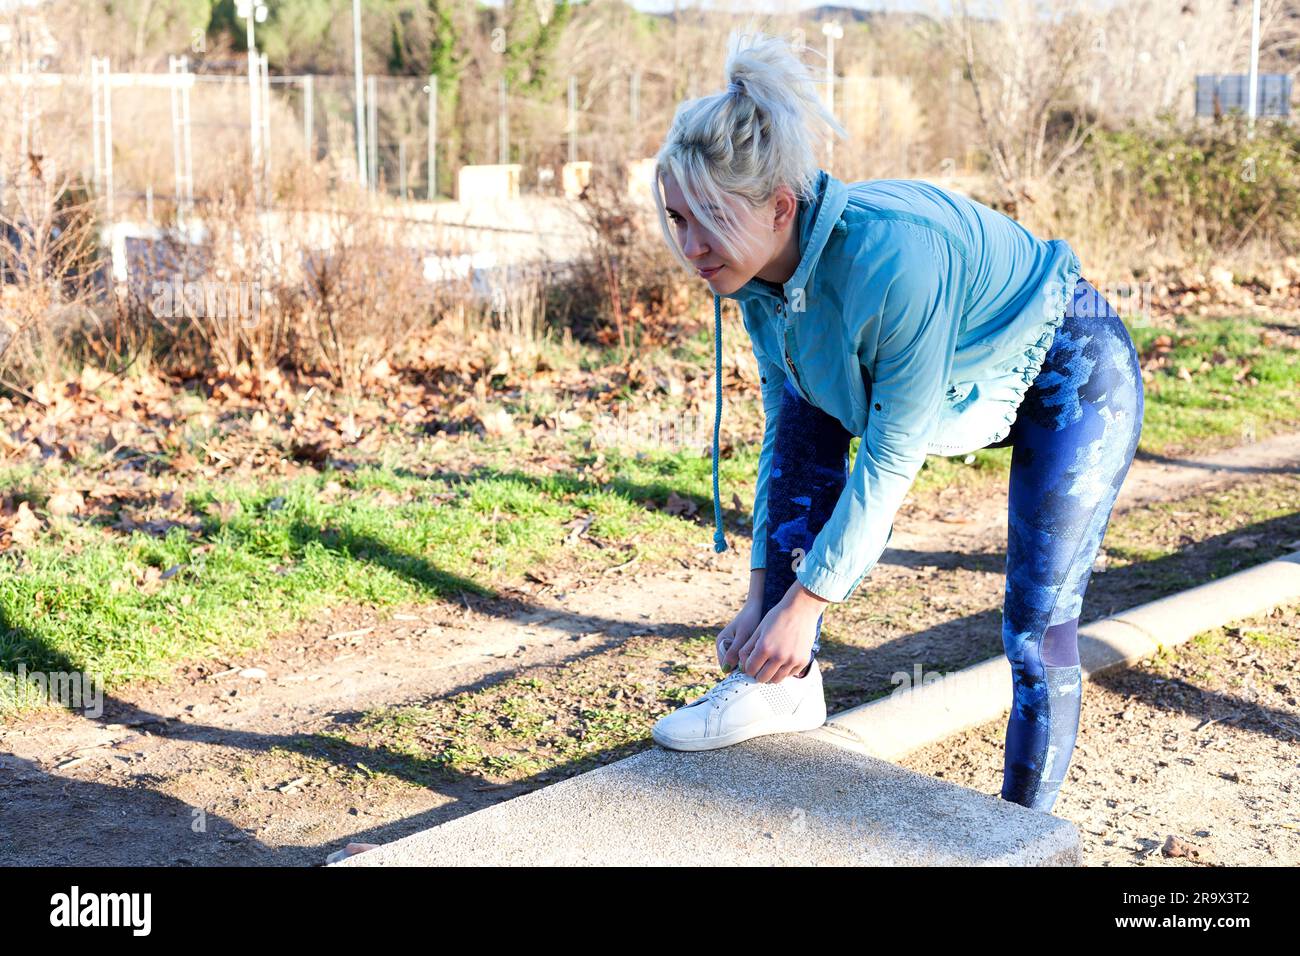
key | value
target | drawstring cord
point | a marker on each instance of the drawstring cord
(719, 541)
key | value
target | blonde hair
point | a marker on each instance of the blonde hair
(763, 132)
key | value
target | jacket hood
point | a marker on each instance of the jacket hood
(818, 216)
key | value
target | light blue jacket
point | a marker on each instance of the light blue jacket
(945, 305)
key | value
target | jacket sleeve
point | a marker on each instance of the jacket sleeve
(773, 379)
(903, 316)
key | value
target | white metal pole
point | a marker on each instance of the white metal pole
(307, 116)
(431, 160)
(833, 32)
(254, 98)
(360, 93)
(96, 114)
(188, 141)
(108, 135)
(372, 93)
(173, 67)
(1253, 91)
(266, 116)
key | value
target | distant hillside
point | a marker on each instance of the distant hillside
(825, 11)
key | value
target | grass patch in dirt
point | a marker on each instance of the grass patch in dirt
(556, 719)
(1171, 545)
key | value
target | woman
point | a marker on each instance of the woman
(925, 323)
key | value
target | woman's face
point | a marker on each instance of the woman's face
(723, 274)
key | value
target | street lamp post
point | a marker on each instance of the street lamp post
(833, 31)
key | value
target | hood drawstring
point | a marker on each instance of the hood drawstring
(719, 541)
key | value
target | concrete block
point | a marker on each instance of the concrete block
(575, 176)
(781, 800)
(489, 182)
(640, 179)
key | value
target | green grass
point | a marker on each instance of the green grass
(1182, 413)
(266, 556)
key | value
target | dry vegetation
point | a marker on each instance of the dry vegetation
(1076, 125)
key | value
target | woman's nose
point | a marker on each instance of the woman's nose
(695, 245)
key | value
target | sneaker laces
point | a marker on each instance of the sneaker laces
(727, 686)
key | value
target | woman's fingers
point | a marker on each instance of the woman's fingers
(766, 669)
(726, 637)
(765, 666)
(735, 643)
(731, 654)
(744, 649)
(723, 663)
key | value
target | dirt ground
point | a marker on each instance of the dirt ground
(273, 759)
(1192, 759)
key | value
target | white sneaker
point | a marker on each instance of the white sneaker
(739, 707)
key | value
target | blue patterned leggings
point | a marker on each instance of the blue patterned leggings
(1073, 439)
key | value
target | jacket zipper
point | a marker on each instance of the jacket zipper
(784, 310)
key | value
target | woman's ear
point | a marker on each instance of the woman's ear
(785, 207)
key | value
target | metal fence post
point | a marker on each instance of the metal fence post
(307, 116)
(431, 161)
(372, 93)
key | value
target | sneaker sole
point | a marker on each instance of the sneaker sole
(773, 725)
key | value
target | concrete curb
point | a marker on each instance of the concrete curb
(911, 718)
(778, 800)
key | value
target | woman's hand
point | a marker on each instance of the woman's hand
(738, 631)
(782, 643)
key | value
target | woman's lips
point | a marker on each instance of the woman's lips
(709, 273)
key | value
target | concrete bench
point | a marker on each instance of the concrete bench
(786, 799)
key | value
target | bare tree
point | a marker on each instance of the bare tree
(1024, 70)
(1279, 46)
(1038, 67)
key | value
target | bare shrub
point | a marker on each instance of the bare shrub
(49, 256)
(359, 296)
(1195, 193)
(1021, 68)
(627, 287)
